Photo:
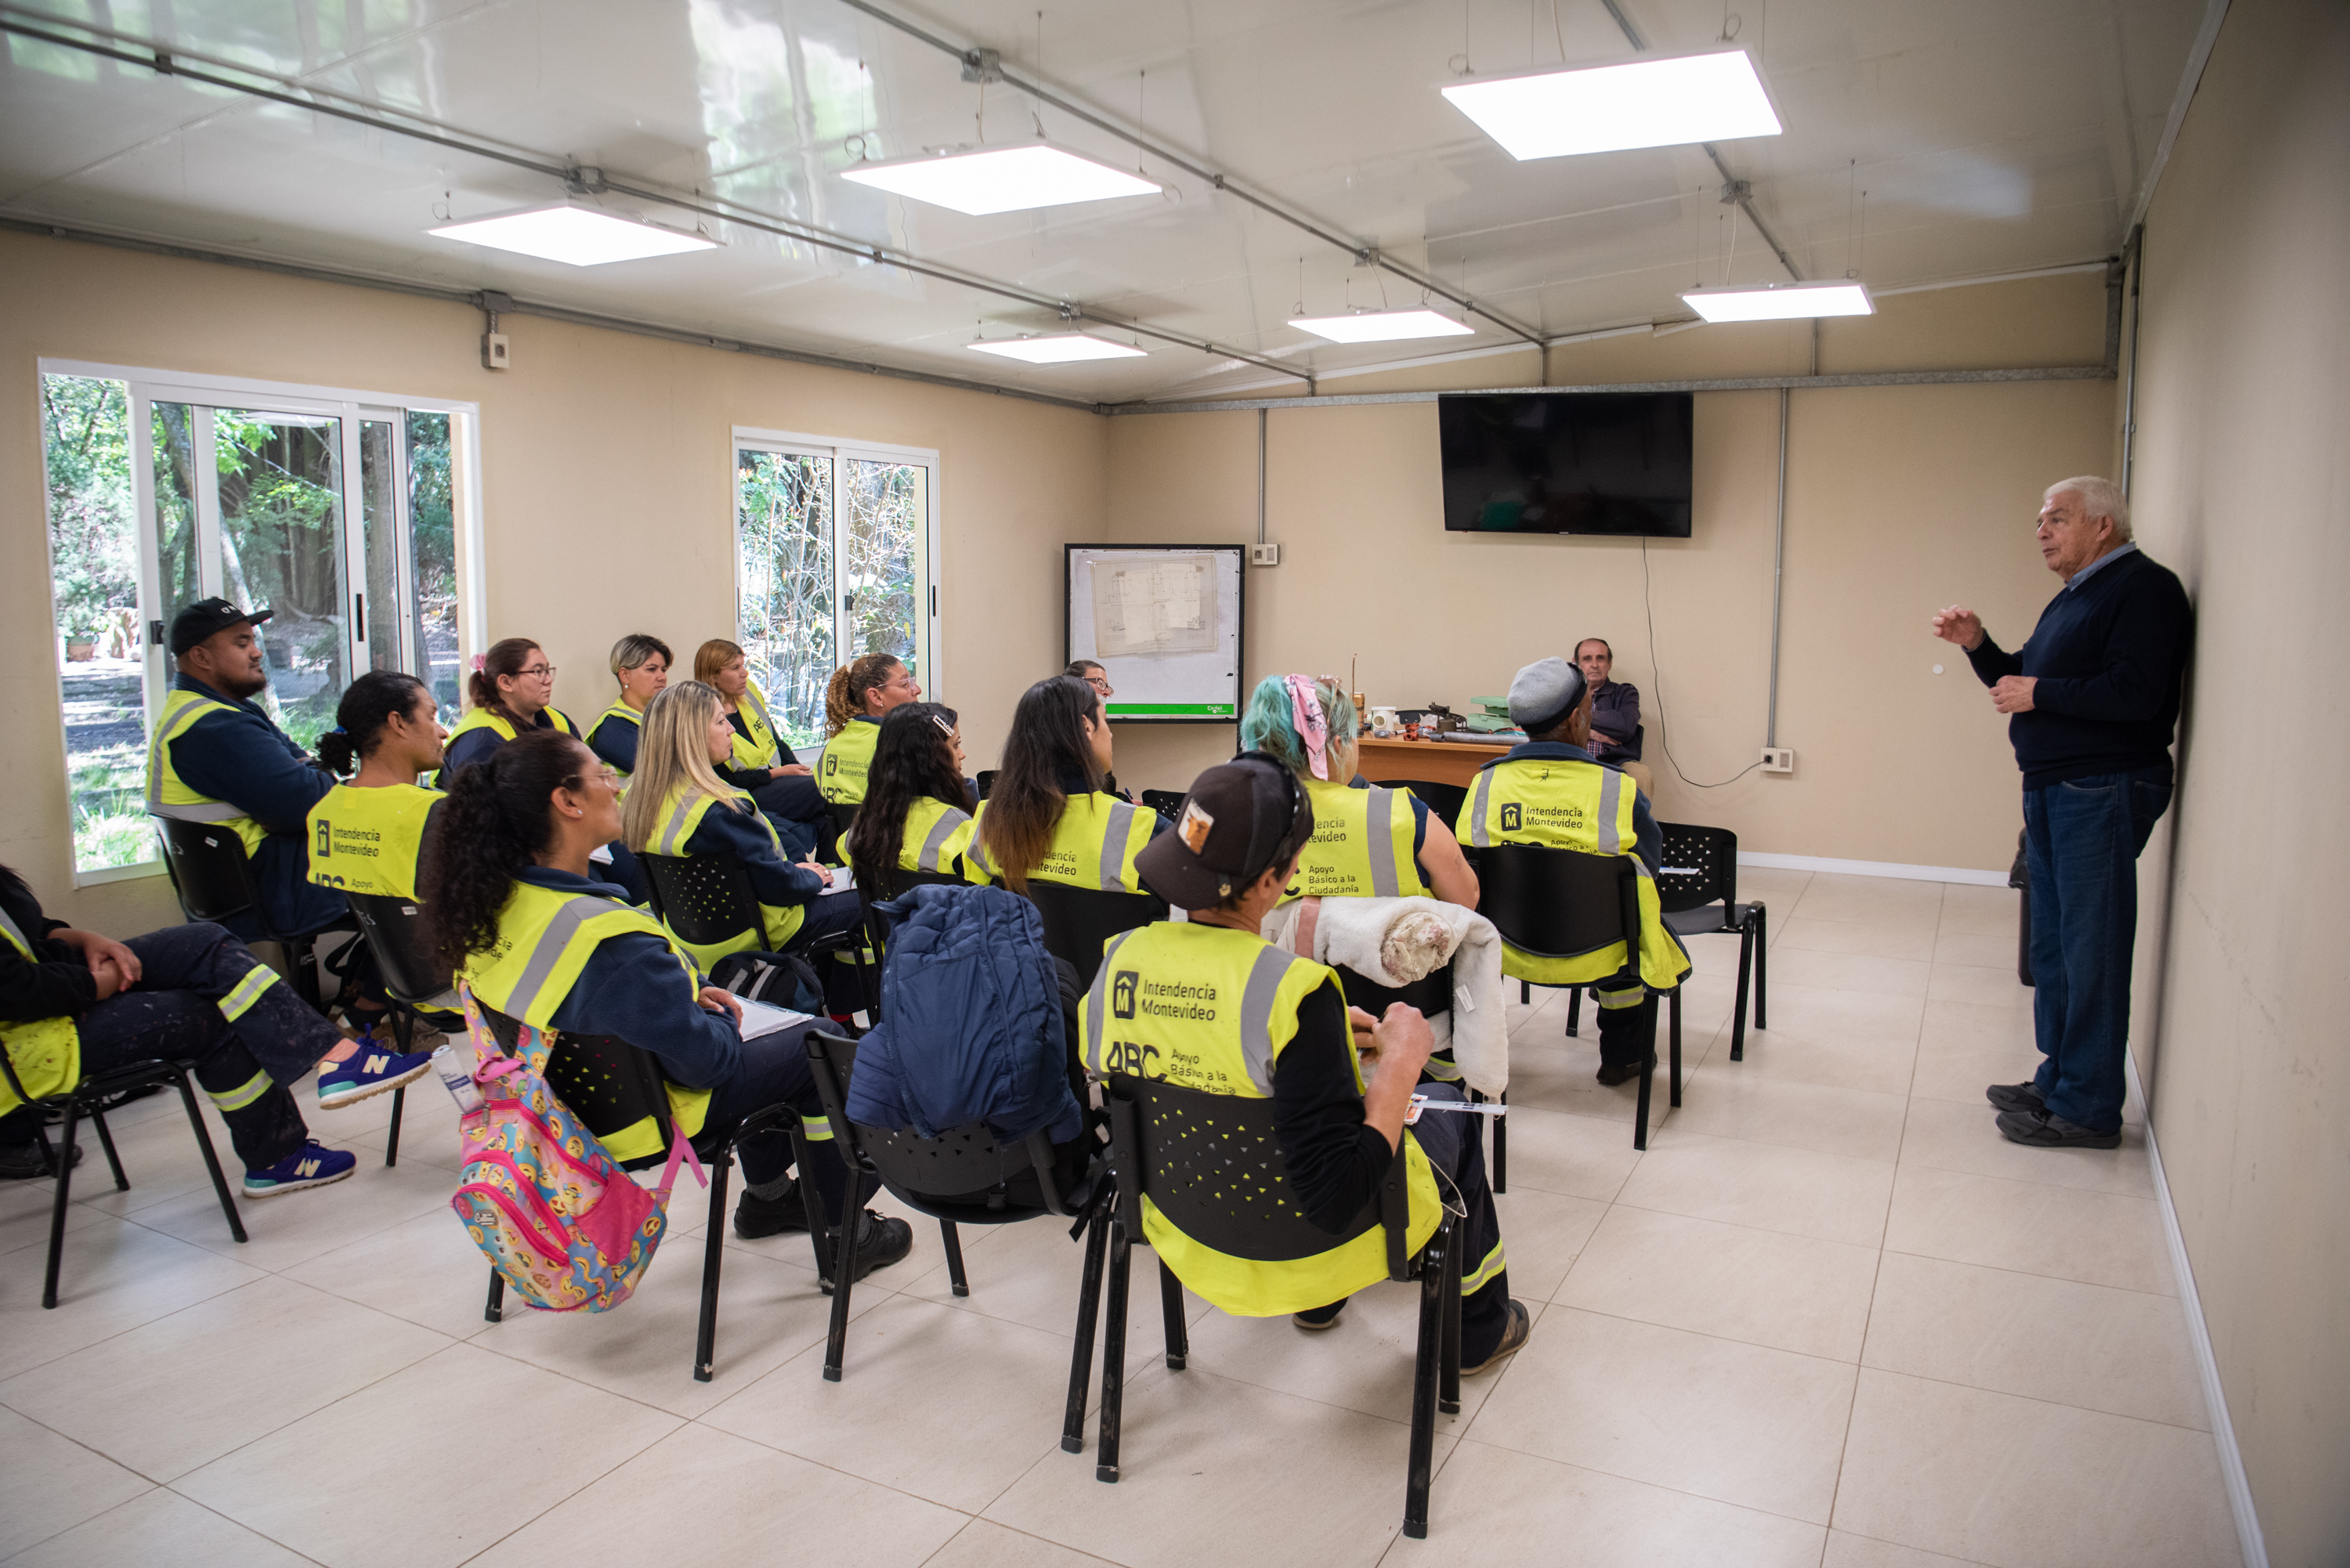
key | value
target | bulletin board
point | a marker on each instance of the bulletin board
(1164, 621)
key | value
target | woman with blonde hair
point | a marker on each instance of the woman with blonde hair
(678, 806)
(861, 692)
(758, 758)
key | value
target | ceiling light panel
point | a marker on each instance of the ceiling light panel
(1381, 326)
(1058, 348)
(1782, 301)
(577, 236)
(1002, 179)
(1717, 95)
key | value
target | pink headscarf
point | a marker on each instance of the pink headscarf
(1305, 712)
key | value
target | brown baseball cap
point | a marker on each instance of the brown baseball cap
(1242, 819)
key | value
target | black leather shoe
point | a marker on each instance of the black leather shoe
(23, 1162)
(881, 1243)
(1316, 1319)
(1609, 1076)
(2015, 1098)
(757, 1217)
(2039, 1129)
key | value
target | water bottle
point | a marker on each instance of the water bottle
(457, 1076)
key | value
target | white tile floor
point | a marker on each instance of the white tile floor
(1828, 1318)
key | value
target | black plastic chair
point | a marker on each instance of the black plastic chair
(1697, 887)
(213, 881)
(611, 1085)
(708, 900)
(1166, 803)
(86, 1098)
(1433, 995)
(961, 1178)
(876, 925)
(1564, 903)
(986, 781)
(1211, 1166)
(393, 929)
(1444, 799)
(1078, 920)
(843, 816)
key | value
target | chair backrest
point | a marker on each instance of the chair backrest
(704, 898)
(1701, 867)
(1078, 920)
(1444, 799)
(209, 869)
(609, 1084)
(1431, 992)
(1212, 1165)
(900, 881)
(403, 954)
(985, 780)
(844, 813)
(1166, 803)
(926, 1172)
(1558, 903)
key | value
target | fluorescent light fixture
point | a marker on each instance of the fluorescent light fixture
(1002, 179)
(580, 237)
(1058, 348)
(1381, 326)
(1716, 95)
(1782, 301)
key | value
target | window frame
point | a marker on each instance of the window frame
(351, 407)
(930, 639)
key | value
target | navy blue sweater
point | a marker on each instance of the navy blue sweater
(242, 758)
(2108, 657)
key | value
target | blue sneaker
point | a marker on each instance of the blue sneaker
(312, 1165)
(369, 1070)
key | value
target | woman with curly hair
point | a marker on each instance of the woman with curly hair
(913, 817)
(861, 692)
(517, 912)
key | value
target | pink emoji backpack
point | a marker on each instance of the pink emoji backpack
(554, 1213)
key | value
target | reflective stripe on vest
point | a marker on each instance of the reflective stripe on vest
(1095, 841)
(623, 712)
(167, 795)
(680, 815)
(1209, 1008)
(483, 719)
(366, 840)
(46, 1052)
(545, 940)
(935, 834)
(847, 758)
(1361, 846)
(1567, 805)
(760, 748)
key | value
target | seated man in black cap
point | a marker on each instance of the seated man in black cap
(216, 757)
(1551, 792)
(1210, 1004)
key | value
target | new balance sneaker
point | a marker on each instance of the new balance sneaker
(312, 1165)
(369, 1070)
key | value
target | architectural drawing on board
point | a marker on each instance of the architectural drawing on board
(1155, 605)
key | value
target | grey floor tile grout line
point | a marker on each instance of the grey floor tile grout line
(1653, 1485)
(2035, 1399)
(1843, 1451)
(611, 1470)
(2033, 1273)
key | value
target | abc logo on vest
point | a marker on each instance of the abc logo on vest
(1122, 993)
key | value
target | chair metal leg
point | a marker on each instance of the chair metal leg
(1425, 1378)
(820, 1234)
(1081, 1360)
(392, 1138)
(713, 1248)
(1675, 1031)
(1745, 973)
(1170, 1308)
(1448, 1393)
(953, 1241)
(1762, 963)
(1648, 1070)
(1574, 1012)
(106, 1138)
(212, 1160)
(302, 959)
(1526, 994)
(1501, 1149)
(496, 1311)
(58, 1208)
(1113, 1401)
(844, 1281)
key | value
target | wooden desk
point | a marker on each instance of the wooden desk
(1437, 762)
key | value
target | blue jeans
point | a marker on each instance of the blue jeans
(2081, 840)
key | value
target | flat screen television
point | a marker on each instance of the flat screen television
(1567, 462)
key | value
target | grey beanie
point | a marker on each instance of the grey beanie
(1543, 692)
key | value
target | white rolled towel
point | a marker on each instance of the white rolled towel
(1396, 941)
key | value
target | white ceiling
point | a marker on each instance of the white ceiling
(1991, 136)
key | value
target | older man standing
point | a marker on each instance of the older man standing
(2094, 698)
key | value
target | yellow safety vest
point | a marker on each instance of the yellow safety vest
(545, 940)
(46, 1052)
(616, 711)
(1567, 805)
(847, 758)
(483, 719)
(1209, 1008)
(680, 813)
(1361, 846)
(1095, 841)
(168, 796)
(938, 838)
(761, 748)
(366, 840)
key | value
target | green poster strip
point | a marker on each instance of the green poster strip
(1167, 710)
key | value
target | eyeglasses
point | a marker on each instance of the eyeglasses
(537, 669)
(1101, 684)
(607, 772)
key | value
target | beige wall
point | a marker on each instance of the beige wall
(2242, 986)
(1899, 499)
(606, 486)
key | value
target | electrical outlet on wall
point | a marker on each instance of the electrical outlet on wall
(495, 354)
(1265, 555)
(1778, 759)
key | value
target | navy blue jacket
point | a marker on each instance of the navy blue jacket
(1649, 838)
(615, 741)
(244, 759)
(972, 1027)
(723, 830)
(475, 746)
(634, 987)
(2109, 656)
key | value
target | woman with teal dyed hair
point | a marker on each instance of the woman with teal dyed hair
(1368, 843)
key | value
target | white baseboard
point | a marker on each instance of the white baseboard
(1874, 869)
(2198, 1334)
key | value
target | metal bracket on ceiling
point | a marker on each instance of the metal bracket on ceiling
(1736, 193)
(584, 180)
(982, 65)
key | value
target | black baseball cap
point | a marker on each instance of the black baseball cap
(1242, 818)
(205, 617)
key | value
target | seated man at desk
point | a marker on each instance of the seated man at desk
(1615, 714)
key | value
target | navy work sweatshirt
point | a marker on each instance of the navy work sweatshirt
(242, 757)
(2109, 656)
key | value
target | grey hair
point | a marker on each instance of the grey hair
(2099, 498)
(632, 650)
